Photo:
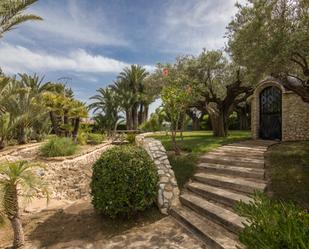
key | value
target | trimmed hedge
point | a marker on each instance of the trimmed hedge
(124, 181)
(58, 146)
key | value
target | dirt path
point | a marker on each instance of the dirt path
(78, 226)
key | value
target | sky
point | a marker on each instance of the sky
(88, 42)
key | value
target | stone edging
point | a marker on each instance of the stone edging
(168, 191)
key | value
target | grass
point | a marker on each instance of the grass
(288, 165)
(195, 143)
(201, 141)
(58, 146)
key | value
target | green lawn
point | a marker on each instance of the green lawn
(202, 141)
(194, 144)
(288, 164)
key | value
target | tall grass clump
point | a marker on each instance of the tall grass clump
(58, 146)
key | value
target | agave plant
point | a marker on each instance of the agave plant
(18, 179)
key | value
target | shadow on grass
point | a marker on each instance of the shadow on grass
(78, 223)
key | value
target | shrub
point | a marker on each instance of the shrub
(82, 138)
(57, 146)
(95, 138)
(274, 224)
(131, 138)
(124, 181)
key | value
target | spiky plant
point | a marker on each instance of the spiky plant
(18, 179)
(11, 14)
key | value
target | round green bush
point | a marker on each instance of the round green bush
(124, 181)
(58, 146)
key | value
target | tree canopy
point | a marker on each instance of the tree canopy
(271, 38)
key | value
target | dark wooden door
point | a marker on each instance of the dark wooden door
(270, 113)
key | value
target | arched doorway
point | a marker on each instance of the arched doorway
(270, 113)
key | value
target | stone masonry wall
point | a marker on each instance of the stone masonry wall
(295, 118)
(69, 178)
(168, 192)
(295, 113)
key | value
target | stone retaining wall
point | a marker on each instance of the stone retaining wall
(168, 192)
(26, 152)
(69, 178)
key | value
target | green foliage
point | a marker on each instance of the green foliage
(156, 121)
(272, 38)
(106, 102)
(150, 125)
(18, 179)
(57, 146)
(130, 137)
(124, 181)
(95, 138)
(288, 164)
(273, 224)
(82, 138)
(183, 166)
(11, 14)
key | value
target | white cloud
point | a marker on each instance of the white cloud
(193, 25)
(73, 23)
(15, 59)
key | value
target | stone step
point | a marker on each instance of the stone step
(212, 234)
(239, 151)
(228, 219)
(230, 182)
(245, 148)
(231, 170)
(219, 195)
(237, 154)
(232, 161)
(256, 143)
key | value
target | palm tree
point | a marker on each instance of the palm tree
(18, 180)
(11, 14)
(77, 111)
(133, 78)
(126, 99)
(25, 104)
(108, 106)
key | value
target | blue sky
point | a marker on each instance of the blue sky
(90, 41)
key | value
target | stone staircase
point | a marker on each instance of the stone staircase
(224, 176)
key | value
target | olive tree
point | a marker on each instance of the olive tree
(272, 38)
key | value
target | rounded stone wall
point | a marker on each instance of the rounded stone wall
(168, 191)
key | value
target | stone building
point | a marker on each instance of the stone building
(278, 113)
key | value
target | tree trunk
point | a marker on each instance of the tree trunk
(219, 124)
(140, 114)
(135, 116)
(66, 124)
(175, 146)
(174, 128)
(75, 130)
(145, 113)
(14, 217)
(53, 121)
(19, 238)
(129, 122)
(243, 120)
(22, 139)
(2, 143)
(195, 124)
